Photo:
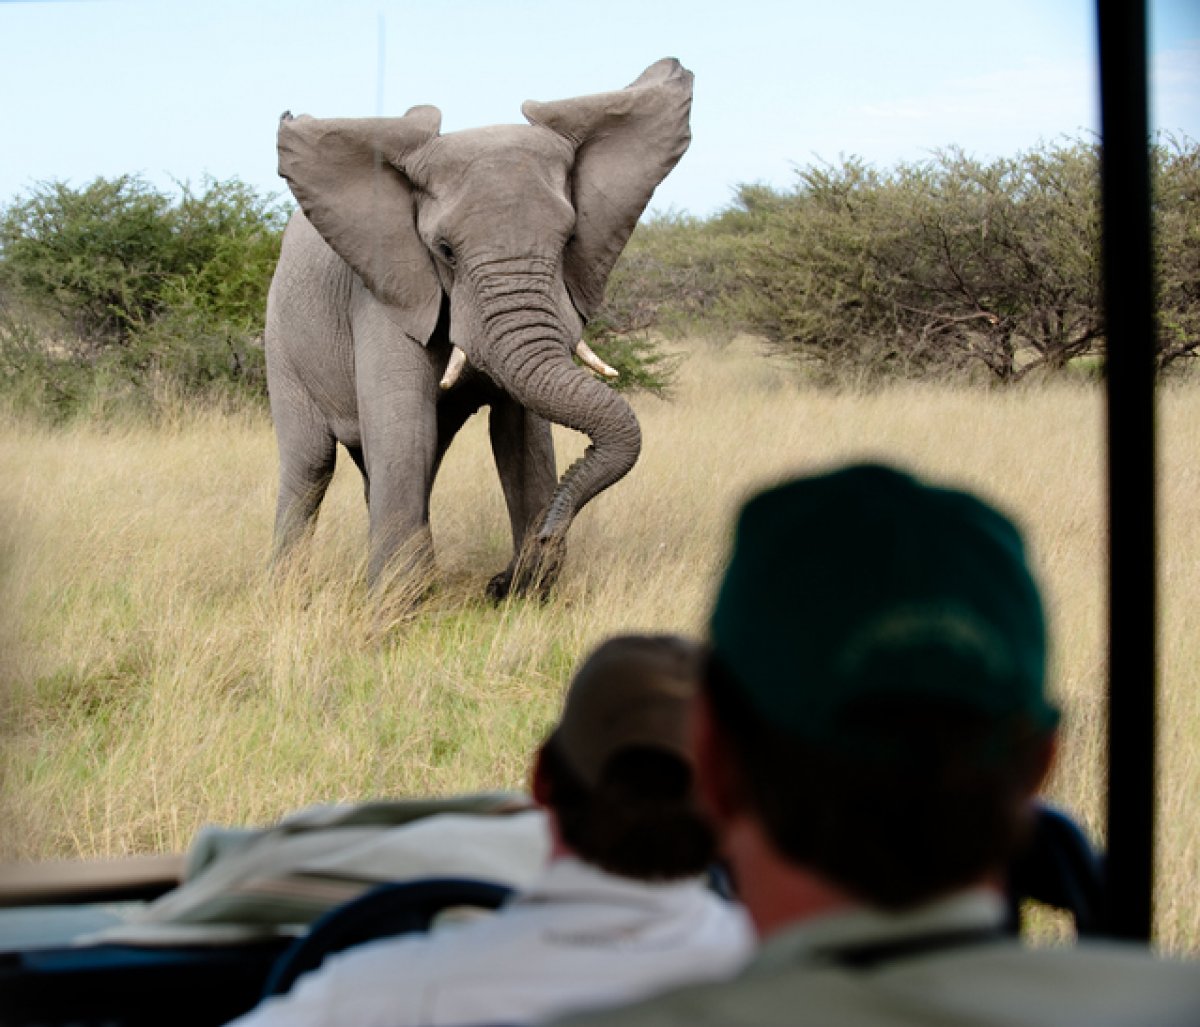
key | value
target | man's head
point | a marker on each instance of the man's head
(877, 673)
(616, 773)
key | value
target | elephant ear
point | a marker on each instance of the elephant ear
(626, 141)
(343, 173)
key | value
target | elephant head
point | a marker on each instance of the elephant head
(514, 230)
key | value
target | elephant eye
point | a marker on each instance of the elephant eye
(445, 252)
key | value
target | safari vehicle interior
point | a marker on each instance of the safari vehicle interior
(210, 982)
(45, 979)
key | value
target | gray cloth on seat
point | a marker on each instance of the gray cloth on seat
(245, 885)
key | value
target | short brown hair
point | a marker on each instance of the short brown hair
(640, 821)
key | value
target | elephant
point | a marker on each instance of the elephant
(425, 276)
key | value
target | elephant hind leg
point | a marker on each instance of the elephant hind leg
(305, 469)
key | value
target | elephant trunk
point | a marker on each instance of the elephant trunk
(556, 389)
(528, 354)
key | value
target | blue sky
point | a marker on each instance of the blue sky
(175, 90)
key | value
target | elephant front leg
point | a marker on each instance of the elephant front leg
(397, 412)
(399, 479)
(524, 451)
(401, 545)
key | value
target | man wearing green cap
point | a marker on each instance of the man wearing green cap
(871, 730)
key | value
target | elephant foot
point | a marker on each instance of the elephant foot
(499, 586)
(532, 574)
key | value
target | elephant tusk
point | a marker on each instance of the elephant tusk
(454, 369)
(585, 353)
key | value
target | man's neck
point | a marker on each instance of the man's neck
(776, 893)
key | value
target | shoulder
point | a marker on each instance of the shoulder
(1114, 964)
(1096, 984)
(1123, 959)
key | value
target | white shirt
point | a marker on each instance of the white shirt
(578, 938)
(797, 978)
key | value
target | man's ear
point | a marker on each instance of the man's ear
(718, 783)
(539, 784)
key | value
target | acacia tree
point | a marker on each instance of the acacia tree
(1176, 205)
(931, 268)
(1000, 264)
(814, 271)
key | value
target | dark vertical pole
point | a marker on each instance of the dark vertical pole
(1129, 305)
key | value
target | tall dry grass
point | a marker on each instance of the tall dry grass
(156, 680)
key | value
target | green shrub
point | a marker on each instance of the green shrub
(96, 256)
(125, 294)
(671, 278)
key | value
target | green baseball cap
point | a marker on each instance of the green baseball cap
(866, 583)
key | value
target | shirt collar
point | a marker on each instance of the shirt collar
(977, 908)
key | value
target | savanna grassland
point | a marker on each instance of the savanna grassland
(156, 680)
